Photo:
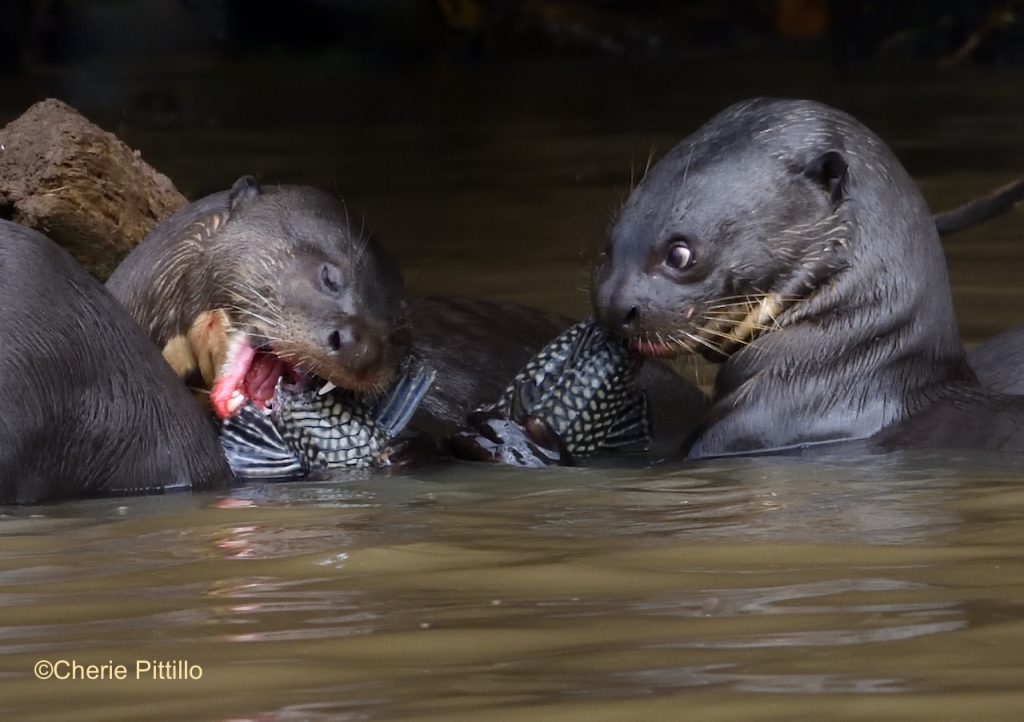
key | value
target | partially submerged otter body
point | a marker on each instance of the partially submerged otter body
(90, 408)
(784, 240)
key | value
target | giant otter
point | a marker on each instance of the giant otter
(89, 406)
(785, 241)
(245, 286)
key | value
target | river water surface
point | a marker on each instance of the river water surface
(842, 586)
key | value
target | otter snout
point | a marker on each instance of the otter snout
(620, 318)
(355, 346)
(613, 307)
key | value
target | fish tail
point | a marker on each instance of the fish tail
(255, 449)
(401, 401)
(632, 430)
(588, 335)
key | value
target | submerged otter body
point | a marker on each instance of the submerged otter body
(785, 241)
(248, 286)
(89, 406)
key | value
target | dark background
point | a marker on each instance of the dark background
(148, 64)
(489, 142)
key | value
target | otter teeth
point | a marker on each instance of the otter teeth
(235, 402)
(326, 388)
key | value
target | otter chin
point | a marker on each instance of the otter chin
(250, 287)
(784, 241)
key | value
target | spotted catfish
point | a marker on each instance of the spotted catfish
(575, 398)
(309, 429)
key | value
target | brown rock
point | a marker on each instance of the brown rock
(80, 185)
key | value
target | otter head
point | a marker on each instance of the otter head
(775, 212)
(245, 287)
(302, 295)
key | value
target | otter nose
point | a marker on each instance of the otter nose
(629, 318)
(621, 318)
(353, 346)
(612, 304)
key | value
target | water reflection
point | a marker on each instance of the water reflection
(476, 590)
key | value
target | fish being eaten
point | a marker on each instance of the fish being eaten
(576, 398)
(310, 428)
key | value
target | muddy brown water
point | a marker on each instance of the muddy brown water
(844, 586)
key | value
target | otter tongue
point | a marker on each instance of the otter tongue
(260, 382)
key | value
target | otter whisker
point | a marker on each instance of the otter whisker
(726, 335)
(271, 339)
(650, 160)
(704, 342)
(683, 346)
(265, 302)
(745, 303)
(252, 314)
(686, 168)
(274, 318)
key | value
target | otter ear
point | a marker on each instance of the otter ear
(829, 170)
(245, 189)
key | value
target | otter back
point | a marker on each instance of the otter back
(89, 406)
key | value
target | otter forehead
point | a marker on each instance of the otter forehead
(790, 132)
(298, 217)
(697, 199)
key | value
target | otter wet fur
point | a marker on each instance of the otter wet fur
(574, 399)
(785, 241)
(247, 286)
(89, 406)
(999, 362)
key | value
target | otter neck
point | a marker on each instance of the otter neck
(870, 347)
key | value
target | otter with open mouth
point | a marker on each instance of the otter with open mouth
(785, 241)
(246, 287)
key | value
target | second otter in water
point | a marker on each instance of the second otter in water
(785, 241)
(247, 286)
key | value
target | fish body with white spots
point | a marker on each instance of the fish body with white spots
(575, 399)
(308, 430)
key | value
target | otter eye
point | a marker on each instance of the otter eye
(679, 256)
(330, 277)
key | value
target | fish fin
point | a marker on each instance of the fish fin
(255, 450)
(555, 354)
(632, 430)
(590, 334)
(524, 398)
(547, 440)
(403, 398)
